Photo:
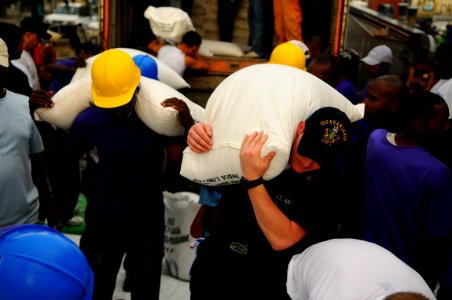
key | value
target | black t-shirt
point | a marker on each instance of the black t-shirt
(306, 198)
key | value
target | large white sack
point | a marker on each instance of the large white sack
(269, 97)
(68, 103)
(161, 119)
(76, 96)
(169, 23)
(180, 210)
(165, 73)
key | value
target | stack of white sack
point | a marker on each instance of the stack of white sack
(269, 97)
(76, 97)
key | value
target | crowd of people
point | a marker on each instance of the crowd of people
(377, 191)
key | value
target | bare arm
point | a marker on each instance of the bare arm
(155, 46)
(197, 63)
(279, 230)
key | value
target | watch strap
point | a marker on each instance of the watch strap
(249, 184)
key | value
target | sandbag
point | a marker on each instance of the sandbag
(163, 120)
(211, 48)
(165, 73)
(168, 23)
(76, 96)
(68, 102)
(269, 97)
(180, 210)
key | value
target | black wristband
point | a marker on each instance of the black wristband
(250, 184)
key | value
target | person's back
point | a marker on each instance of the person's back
(409, 192)
(351, 269)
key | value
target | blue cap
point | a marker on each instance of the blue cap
(38, 262)
(147, 65)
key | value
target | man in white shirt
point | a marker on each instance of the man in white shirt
(34, 30)
(349, 269)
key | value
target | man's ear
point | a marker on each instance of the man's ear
(300, 128)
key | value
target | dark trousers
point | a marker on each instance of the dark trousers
(221, 273)
(260, 23)
(227, 11)
(63, 175)
(105, 241)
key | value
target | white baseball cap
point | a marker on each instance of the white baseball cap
(378, 55)
(4, 57)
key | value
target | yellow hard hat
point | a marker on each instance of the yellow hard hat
(288, 54)
(115, 78)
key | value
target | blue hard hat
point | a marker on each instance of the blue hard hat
(147, 65)
(38, 262)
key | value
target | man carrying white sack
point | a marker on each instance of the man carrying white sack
(126, 212)
(349, 269)
(261, 225)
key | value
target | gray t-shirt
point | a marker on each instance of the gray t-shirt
(19, 138)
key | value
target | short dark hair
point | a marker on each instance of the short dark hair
(191, 38)
(35, 25)
(406, 296)
(419, 105)
(12, 35)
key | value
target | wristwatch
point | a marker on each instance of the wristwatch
(246, 184)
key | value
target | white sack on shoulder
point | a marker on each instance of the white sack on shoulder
(68, 103)
(165, 73)
(163, 120)
(269, 97)
(76, 96)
